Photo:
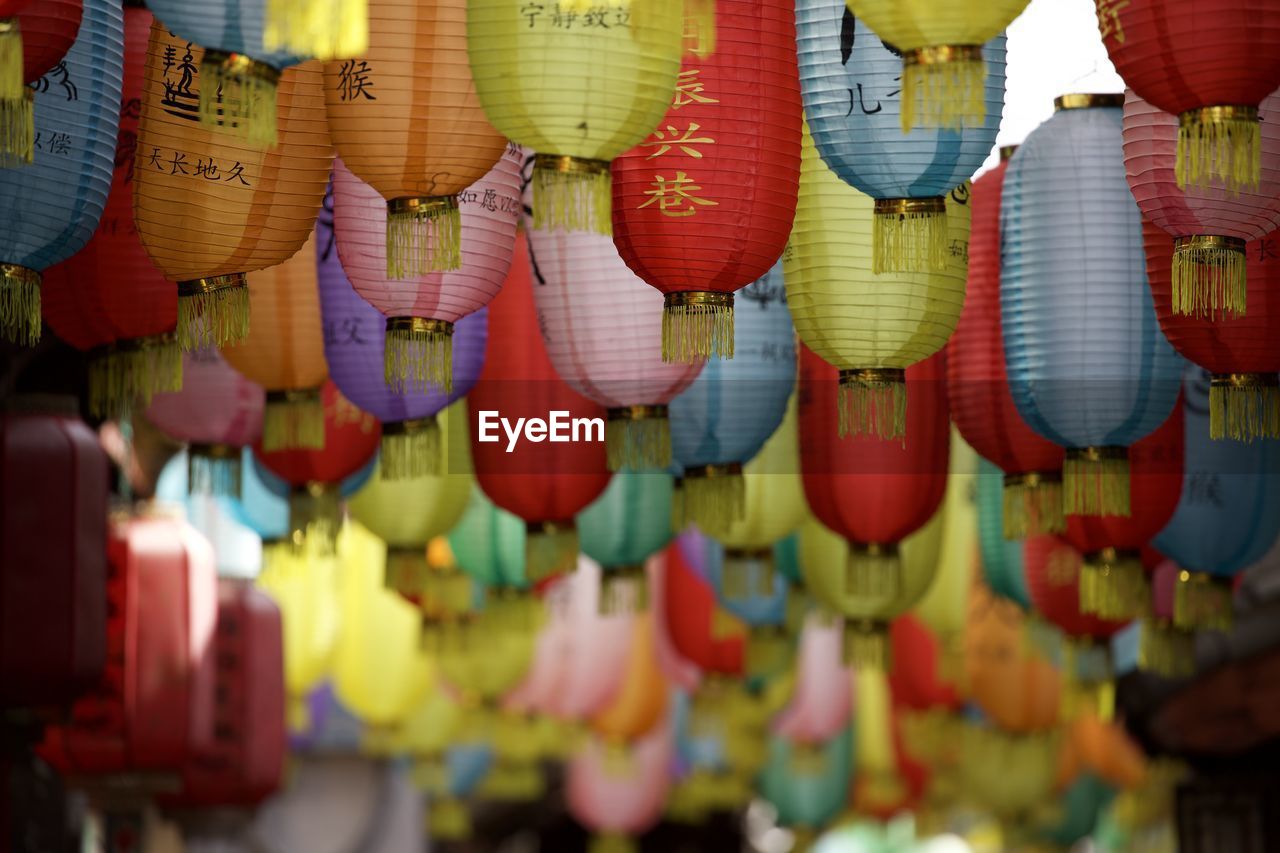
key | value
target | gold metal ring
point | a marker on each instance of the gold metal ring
(419, 325)
(19, 275)
(565, 163)
(1097, 454)
(874, 549)
(637, 413)
(872, 375)
(293, 395)
(1110, 556)
(214, 451)
(1209, 241)
(422, 204)
(1080, 101)
(412, 426)
(212, 284)
(1245, 380)
(242, 65)
(708, 472)
(534, 528)
(699, 297)
(1210, 115)
(908, 206)
(1032, 479)
(938, 54)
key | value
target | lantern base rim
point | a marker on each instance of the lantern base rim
(1033, 504)
(424, 235)
(1209, 276)
(418, 355)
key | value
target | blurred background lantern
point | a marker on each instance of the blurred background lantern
(1210, 225)
(622, 529)
(109, 297)
(325, 29)
(33, 38)
(216, 413)
(1158, 46)
(617, 792)
(1164, 648)
(488, 543)
(529, 72)
(690, 608)
(284, 351)
(547, 484)
(909, 174)
(210, 208)
(415, 133)
(1009, 679)
(822, 696)
(808, 786)
(699, 235)
(871, 327)
(754, 599)
(639, 707)
(50, 209)
(1001, 558)
(240, 75)
(422, 309)
(723, 419)
(943, 68)
(1073, 334)
(978, 382)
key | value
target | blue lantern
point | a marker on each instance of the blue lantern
(852, 87)
(1089, 367)
(50, 209)
(622, 529)
(723, 419)
(1001, 558)
(1228, 517)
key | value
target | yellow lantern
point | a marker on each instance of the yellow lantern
(579, 83)
(879, 784)
(323, 29)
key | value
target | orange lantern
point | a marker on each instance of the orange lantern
(641, 702)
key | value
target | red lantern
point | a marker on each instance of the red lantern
(34, 36)
(1210, 64)
(109, 296)
(921, 683)
(692, 614)
(53, 569)
(546, 484)
(1240, 352)
(704, 206)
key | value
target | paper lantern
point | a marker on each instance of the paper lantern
(211, 208)
(421, 310)
(822, 696)
(284, 351)
(808, 787)
(618, 793)
(325, 29)
(1228, 516)
(1158, 47)
(689, 604)
(545, 483)
(942, 59)
(354, 335)
(52, 552)
(1012, 683)
(640, 705)
(1164, 648)
(51, 208)
(1088, 366)
(579, 85)
(978, 382)
(622, 529)
(216, 413)
(33, 38)
(488, 543)
(415, 132)
(1001, 558)
(704, 205)
(863, 141)
(1210, 225)
(871, 327)
(723, 419)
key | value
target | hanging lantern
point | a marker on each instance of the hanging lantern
(546, 484)
(808, 784)
(1228, 516)
(703, 206)
(692, 618)
(52, 599)
(1112, 582)
(978, 382)
(639, 707)
(1007, 678)
(1088, 366)
(723, 419)
(753, 598)
(1164, 648)
(1001, 558)
(822, 697)
(529, 69)
(488, 543)
(1210, 225)
(415, 133)
(211, 208)
(284, 353)
(1233, 57)
(50, 209)
(867, 143)
(216, 413)
(325, 29)
(422, 308)
(622, 529)
(617, 792)
(871, 327)
(941, 44)
(33, 38)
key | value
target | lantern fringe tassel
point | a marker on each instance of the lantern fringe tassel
(573, 200)
(216, 473)
(624, 592)
(612, 842)
(1202, 602)
(873, 407)
(410, 455)
(239, 100)
(746, 575)
(510, 782)
(449, 820)
(700, 27)
(424, 239)
(1244, 412)
(550, 552)
(213, 318)
(693, 333)
(315, 514)
(1096, 487)
(715, 502)
(768, 650)
(911, 241)
(944, 94)
(639, 444)
(881, 789)
(322, 29)
(418, 360)
(134, 371)
(1088, 684)
(17, 117)
(872, 575)
(1165, 650)
(1114, 588)
(1226, 148)
(868, 646)
(1209, 280)
(1033, 508)
(19, 307)
(294, 423)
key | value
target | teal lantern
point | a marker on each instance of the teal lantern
(808, 784)
(1001, 558)
(623, 528)
(488, 544)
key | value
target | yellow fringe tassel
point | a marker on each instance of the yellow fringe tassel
(292, 420)
(695, 332)
(133, 370)
(11, 70)
(715, 501)
(1219, 143)
(418, 359)
(315, 514)
(521, 783)
(408, 454)
(1088, 682)
(638, 444)
(213, 318)
(873, 573)
(1096, 483)
(213, 470)
(448, 820)
(1114, 586)
(575, 200)
(947, 95)
(406, 572)
(1209, 278)
(1244, 411)
(612, 842)
(769, 650)
(238, 95)
(746, 574)
(624, 592)
(866, 644)
(19, 305)
(423, 237)
(1202, 602)
(550, 550)
(873, 402)
(17, 123)
(447, 592)
(1165, 650)
(322, 29)
(909, 241)
(700, 27)
(1032, 505)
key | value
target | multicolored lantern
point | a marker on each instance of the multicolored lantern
(578, 95)
(50, 209)
(211, 208)
(1211, 67)
(33, 38)
(622, 529)
(871, 327)
(1088, 366)
(863, 138)
(703, 206)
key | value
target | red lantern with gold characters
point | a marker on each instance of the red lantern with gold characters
(34, 36)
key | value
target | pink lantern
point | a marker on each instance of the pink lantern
(422, 309)
(1209, 224)
(218, 413)
(618, 792)
(681, 672)
(823, 696)
(594, 647)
